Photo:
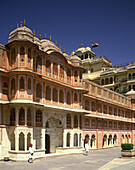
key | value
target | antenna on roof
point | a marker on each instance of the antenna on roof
(34, 33)
(40, 36)
(45, 36)
(24, 23)
(56, 42)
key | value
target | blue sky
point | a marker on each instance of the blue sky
(110, 23)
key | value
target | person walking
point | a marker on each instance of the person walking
(86, 148)
(31, 152)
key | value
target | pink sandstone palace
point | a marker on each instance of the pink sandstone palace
(44, 101)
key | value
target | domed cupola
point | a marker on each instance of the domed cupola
(76, 60)
(21, 33)
(130, 94)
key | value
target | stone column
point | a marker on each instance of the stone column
(89, 142)
(58, 95)
(51, 94)
(72, 121)
(78, 121)
(71, 139)
(64, 139)
(17, 116)
(58, 71)
(51, 69)
(78, 140)
(82, 143)
(25, 116)
(16, 142)
(25, 142)
(34, 117)
(43, 139)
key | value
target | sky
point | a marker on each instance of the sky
(110, 23)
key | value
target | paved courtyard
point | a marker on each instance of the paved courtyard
(93, 161)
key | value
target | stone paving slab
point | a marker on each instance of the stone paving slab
(116, 163)
(93, 161)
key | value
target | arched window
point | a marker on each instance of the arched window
(29, 55)
(99, 108)
(75, 121)
(39, 90)
(61, 72)
(68, 121)
(48, 93)
(21, 142)
(75, 139)
(12, 117)
(13, 56)
(68, 75)
(38, 118)
(28, 140)
(111, 80)
(29, 117)
(68, 98)
(86, 56)
(86, 105)
(129, 87)
(55, 69)
(48, 66)
(22, 54)
(106, 81)
(102, 82)
(55, 95)
(133, 75)
(105, 109)
(12, 140)
(80, 76)
(68, 139)
(21, 83)
(61, 96)
(93, 107)
(29, 84)
(129, 76)
(75, 76)
(39, 63)
(13, 86)
(75, 97)
(21, 117)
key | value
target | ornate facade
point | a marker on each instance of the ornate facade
(99, 69)
(44, 101)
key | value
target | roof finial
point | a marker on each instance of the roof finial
(60, 47)
(40, 36)
(17, 25)
(50, 38)
(21, 24)
(56, 42)
(34, 33)
(64, 50)
(24, 23)
(45, 36)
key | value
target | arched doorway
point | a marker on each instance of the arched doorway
(105, 141)
(47, 143)
(54, 130)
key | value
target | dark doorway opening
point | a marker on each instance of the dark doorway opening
(47, 143)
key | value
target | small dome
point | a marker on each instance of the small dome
(82, 49)
(130, 93)
(49, 46)
(75, 57)
(21, 33)
(87, 49)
